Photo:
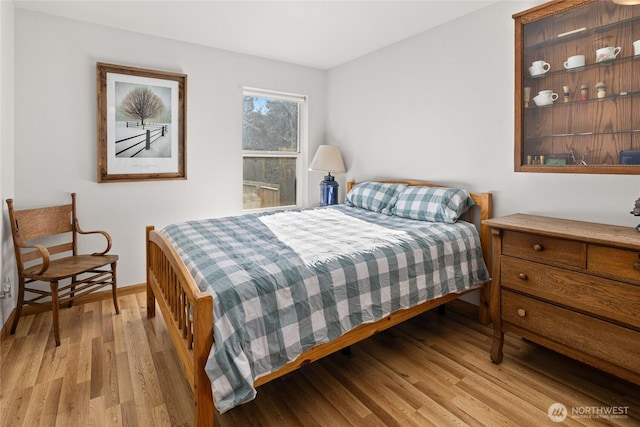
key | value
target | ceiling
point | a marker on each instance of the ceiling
(318, 34)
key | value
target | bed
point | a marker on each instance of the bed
(315, 266)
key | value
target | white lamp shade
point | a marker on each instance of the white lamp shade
(327, 159)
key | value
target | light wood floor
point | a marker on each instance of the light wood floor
(433, 370)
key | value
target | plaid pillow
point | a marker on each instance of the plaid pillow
(435, 204)
(374, 196)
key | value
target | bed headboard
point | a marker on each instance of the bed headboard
(483, 209)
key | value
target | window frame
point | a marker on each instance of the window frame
(301, 154)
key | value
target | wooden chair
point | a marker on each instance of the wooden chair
(69, 275)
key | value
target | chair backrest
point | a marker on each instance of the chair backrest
(29, 226)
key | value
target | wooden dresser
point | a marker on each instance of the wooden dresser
(571, 286)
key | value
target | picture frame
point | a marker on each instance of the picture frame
(141, 124)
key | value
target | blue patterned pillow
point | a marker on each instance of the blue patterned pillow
(435, 204)
(374, 196)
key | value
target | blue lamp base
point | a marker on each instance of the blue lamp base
(328, 191)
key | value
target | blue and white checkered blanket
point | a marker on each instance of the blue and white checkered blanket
(283, 282)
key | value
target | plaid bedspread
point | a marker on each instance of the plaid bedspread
(283, 282)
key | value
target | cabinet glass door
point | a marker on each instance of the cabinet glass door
(578, 88)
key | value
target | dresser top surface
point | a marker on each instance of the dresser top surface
(611, 235)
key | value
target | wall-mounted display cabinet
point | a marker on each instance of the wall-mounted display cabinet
(577, 90)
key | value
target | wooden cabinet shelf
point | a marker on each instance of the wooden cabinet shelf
(594, 124)
(620, 62)
(588, 33)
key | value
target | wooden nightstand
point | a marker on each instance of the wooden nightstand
(571, 286)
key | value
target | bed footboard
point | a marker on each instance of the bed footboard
(188, 314)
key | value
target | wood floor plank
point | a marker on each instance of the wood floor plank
(144, 383)
(18, 403)
(336, 394)
(169, 380)
(273, 405)
(125, 386)
(30, 324)
(435, 415)
(107, 312)
(130, 415)
(54, 361)
(492, 395)
(93, 316)
(322, 410)
(33, 417)
(73, 403)
(50, 410)
(86, 347)
(160, 416)
(478, 410)
(434, 370)
(31, 365)
(97, 368)
(110, 377)
(374, 387)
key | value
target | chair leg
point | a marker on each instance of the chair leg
(55, 308)
(19, 305)
(114, 287)
(73, 291)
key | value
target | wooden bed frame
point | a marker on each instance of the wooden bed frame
(169, 280)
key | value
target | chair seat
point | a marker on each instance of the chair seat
(63, 268)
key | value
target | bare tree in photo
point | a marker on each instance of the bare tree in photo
(141, 103)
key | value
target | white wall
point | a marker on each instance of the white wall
(7, 268)
(55, 127)
(439, 106)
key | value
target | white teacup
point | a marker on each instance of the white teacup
(541, 64)
(545, 97)
(574, 61)
(539, 67)
(636, 47)
(607, 53)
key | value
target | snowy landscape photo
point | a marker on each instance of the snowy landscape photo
(143, 120)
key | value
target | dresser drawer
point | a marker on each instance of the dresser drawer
(604, 298)
(622, 264)
(544, 249)
(600, 339)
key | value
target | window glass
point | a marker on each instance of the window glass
(271, 147)
(269, 124)
(269, 182)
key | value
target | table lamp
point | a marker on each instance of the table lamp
(329, 159)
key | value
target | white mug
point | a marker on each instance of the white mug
(545, 97)
(574, 61)
(541, 64)
(636, 47)
(607, 53)
(539, 67)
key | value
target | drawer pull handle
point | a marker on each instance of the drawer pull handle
(636, 266)
(522, 312)
(523, 276)
(537, 247)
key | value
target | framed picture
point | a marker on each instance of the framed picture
(141, 124)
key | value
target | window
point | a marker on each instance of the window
(272, 149)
